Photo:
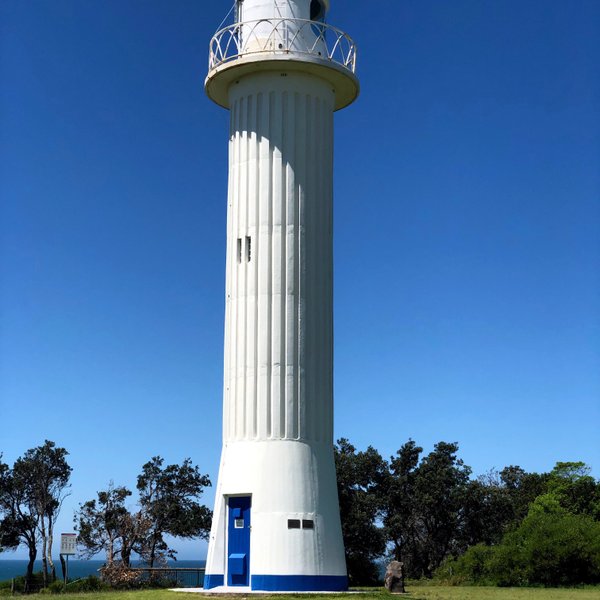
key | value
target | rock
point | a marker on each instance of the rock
(394, 577)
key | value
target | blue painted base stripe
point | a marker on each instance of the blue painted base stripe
(213, 581)
(299, 583)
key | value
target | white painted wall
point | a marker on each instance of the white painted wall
(290, 34)
(278, 336)
(278, 376)
(278, 388)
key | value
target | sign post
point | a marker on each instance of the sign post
(68, 547)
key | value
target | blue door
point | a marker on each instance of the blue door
(238, 543)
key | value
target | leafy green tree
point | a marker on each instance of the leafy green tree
(551, 547)
(19, 517)
(522, 488)
(400, 512)
(50, 473)
(431, 509)
(440, 485)
(169, 504)
(574, 487)
(360, 477)
(486, 514)
(106, 524)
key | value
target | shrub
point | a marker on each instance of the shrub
(120, 577)
(472, 567)
(56, 587)
(551, 547)
(88, 584)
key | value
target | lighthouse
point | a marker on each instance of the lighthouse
(281, 70)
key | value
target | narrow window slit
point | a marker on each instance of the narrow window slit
(239, 250)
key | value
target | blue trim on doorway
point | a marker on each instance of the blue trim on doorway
(213, 581)
(299, 583)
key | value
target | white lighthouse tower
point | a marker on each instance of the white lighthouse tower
(282, 72)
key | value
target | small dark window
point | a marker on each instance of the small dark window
(248, 248)
(239, 250)
(308, 524)
(293, 523)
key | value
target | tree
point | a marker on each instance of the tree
(424, 505)
(18, 511)
(360, 479)
(400, 514)
(50, 475)
(575, 489)
(486, 514)
(550, 547)
(522, 488)
(105, 524)
(169, 504)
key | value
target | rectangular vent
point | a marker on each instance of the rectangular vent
(248, 248)
(308, 524)
(293, 523)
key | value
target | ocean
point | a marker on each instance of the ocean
(78, 568)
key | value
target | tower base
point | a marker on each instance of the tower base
(278, 529)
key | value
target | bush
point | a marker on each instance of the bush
(56, 587)
(88, 584)
(120, 577)
(36, 583)
(551, 547)
(472, 567)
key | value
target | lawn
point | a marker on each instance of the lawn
(429, 592)
(494, 593)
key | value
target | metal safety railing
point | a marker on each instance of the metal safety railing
(282, 36)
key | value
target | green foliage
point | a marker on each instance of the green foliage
(106, 524)
(31, 493)
(359, 478)
(509, 527)
(36, 582)
(471, 567)
(169, 502)
(427, 509)
(575, 489)
(87, 584)
(551, 547)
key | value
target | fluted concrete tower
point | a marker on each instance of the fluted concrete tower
(282, 72)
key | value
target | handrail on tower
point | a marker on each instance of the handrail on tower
(283, 36)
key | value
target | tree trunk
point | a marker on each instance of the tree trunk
(29, 574)
(49, 548)
(152, 552)
(63, 566)
(44, 553)
(126, 556)
(110, 553)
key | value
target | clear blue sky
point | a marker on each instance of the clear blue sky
(467, 233)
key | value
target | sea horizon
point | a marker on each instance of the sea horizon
(79, 567)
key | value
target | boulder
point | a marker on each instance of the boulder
(394, 577)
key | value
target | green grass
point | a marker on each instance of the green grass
(494, 593)
(415, 592)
